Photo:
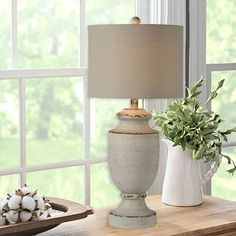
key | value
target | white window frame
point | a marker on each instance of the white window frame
(213, 67)
(198, 65)
(142, 9)
(150, 11)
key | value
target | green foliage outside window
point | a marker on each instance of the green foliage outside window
(48, 37)
(48, 34)
(221, 48)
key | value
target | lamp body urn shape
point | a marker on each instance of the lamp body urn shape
(183, 181)
(133, 163)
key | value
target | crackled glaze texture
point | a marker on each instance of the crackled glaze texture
(133, 163)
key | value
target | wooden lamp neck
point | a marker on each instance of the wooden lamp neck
(134, 104)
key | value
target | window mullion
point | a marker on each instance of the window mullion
(42, 73)
(82, 35)
(22, 131)
(229, 144)
(86, 144)
(208, 86)
(14, 33)
(86, 127)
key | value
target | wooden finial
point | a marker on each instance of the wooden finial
(135, 20)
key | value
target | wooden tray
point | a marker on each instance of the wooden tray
(66, 211)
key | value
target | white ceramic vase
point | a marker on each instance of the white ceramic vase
(183, 182)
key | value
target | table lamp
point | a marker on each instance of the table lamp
(134, 62)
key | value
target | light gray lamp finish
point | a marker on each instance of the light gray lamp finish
(135, 61)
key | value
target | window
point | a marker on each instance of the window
(221, 63)
(51, 136)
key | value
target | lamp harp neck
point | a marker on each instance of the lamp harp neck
(134, 104)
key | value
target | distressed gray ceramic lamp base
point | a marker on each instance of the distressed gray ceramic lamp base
(134, 61)
(133, 162)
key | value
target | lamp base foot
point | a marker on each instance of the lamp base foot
(132, 222)
(132, 213)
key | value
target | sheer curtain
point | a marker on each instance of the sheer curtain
(163, 12)
(174, 12)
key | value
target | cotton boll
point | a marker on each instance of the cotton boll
(26, 190)
(49, 211)
(24, 205)
(14, 202)
(13, 216)
(48, 208)
(2, 220)
(28, 203)
(44, 215)
(19, 193)
(11, 194)
(37, 213)
(40, 202)
(47, 205)
(3, 204)
(25, 216)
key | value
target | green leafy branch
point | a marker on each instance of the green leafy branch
(189, 125)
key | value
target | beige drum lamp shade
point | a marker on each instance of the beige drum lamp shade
(135, 61)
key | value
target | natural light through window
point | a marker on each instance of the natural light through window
(221, 59)
(49, 129)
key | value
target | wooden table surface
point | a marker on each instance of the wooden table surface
(214, 217)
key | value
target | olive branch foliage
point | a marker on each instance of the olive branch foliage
(188, 124)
